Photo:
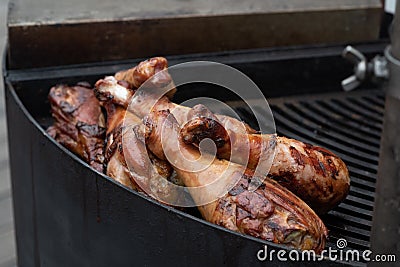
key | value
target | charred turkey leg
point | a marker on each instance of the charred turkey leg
(313, 173)
(271, 212)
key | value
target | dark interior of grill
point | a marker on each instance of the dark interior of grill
(304, 93)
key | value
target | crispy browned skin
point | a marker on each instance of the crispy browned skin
(115, 160)
(130, 163)
(204, 124)
(145, 70)
(313, 173)
(141, 104)
(114, 156)
(79, 123)
(271, 212)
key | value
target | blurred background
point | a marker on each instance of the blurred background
(7, 243)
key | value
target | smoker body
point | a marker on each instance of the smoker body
(67, 214)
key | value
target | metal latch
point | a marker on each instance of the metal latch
(376, 70)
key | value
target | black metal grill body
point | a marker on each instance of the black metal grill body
(66, 214)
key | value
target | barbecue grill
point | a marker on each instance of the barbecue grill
(67, 214)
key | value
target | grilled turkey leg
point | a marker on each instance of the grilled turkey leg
(313, 173)
(271, 212)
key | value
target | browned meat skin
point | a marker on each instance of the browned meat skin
(131, 164)
(145, 70)
(271, 212)
(204, 124)
(79, 123)
(162, 166)
(313, 173)
(140, 104)
(114, 154)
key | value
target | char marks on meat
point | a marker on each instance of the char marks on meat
(315, 174)
(120, 124)
(271, 212)
(78, 122)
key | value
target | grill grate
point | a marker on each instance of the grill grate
(350, 125)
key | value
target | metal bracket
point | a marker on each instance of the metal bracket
(376, 70)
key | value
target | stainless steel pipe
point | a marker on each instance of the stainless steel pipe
(386, 220)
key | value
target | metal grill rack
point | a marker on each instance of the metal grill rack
(350, 126)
